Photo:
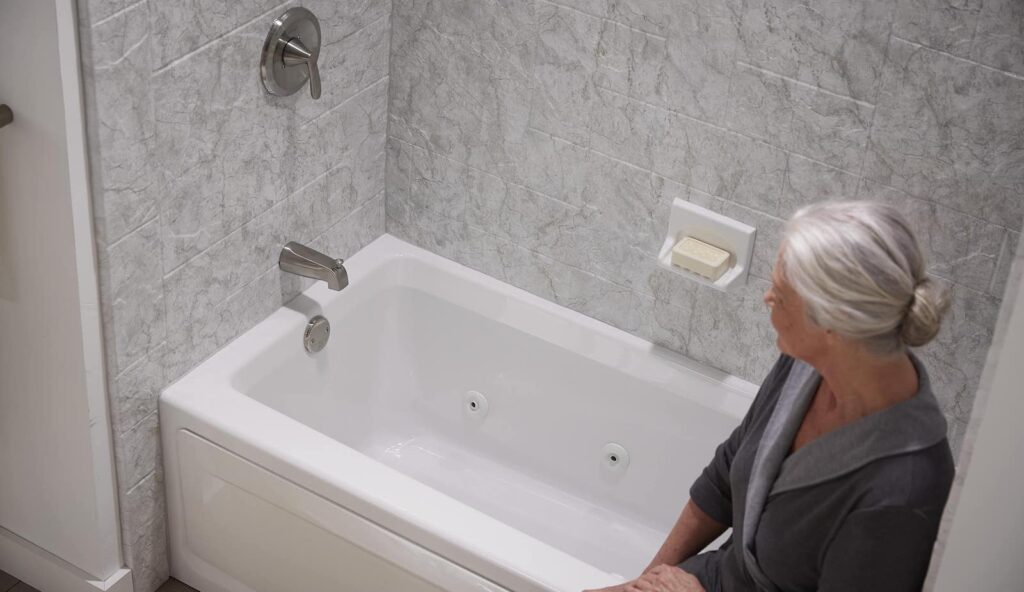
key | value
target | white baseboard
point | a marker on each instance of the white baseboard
(45, 571)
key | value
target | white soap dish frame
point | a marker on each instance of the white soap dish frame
(688, 219)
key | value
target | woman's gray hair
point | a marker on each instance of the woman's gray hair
(861, 274)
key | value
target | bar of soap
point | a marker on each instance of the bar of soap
(701, 258)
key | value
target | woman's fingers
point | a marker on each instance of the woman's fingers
(666, 578)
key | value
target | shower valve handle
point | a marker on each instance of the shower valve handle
(296, 54)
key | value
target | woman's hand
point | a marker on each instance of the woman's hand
(661, 578)
(665, 578)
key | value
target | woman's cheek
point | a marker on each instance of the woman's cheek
(777, 319)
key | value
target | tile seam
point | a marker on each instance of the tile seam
(534, 252)
(573, 9)
(131, 489)
(803, 84)
(138, 423)
(234, 231)
(346, 101)
(129, 233)
(275, 265)
(97, 68)
(488, 173)
(238, 228)
(1004, 249)
(719, 128)
(159, 70)
(352, 34)
(116, 14)
(136, 363)
(1013, 75)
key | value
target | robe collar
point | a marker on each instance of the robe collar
(796, 395)
(908, 426)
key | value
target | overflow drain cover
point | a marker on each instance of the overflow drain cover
(318, 330)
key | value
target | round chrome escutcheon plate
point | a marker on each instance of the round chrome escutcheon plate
(318, 330)
(296, 23)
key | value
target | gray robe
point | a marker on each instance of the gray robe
(855, 509)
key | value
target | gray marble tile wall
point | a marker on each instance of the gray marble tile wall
(198, 178)
(542, 143)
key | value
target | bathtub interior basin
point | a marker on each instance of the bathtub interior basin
(481, 417)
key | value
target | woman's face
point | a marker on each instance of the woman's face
(798, 336)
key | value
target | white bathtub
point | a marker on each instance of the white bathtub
(363, 467)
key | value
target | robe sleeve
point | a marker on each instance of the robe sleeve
(880, 550)
(712, 491)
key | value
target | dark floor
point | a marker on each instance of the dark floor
(173, 585)
(9, 584)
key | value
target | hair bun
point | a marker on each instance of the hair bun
(924, 315)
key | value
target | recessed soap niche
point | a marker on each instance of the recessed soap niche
(687, 219)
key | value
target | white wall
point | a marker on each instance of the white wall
(57, 504)
(983, 548)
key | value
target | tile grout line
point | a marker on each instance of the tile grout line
(573, 9)
(138, 423)
(656, 174)
(260, 274)
(592, 149)
(937, 204)
(1004, 249)
(321, 177)
(602, 154)
(537, 253)
(368, 86)
(639, 169)
(217, 39)
(762, 142)
(116, 14)
(346, 101)
(237, 229)
(96, 68)
(613, 282)
(233, 232)
(804, 84)
(357, 209)
(617, 23)
(128, 234)
(257, 278)
(128, 491)
(961, 59)
(360, 30)
(490, 174)
(608, 18)
(138, 362)
(720, 128)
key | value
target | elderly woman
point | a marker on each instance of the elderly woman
(837, 477)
